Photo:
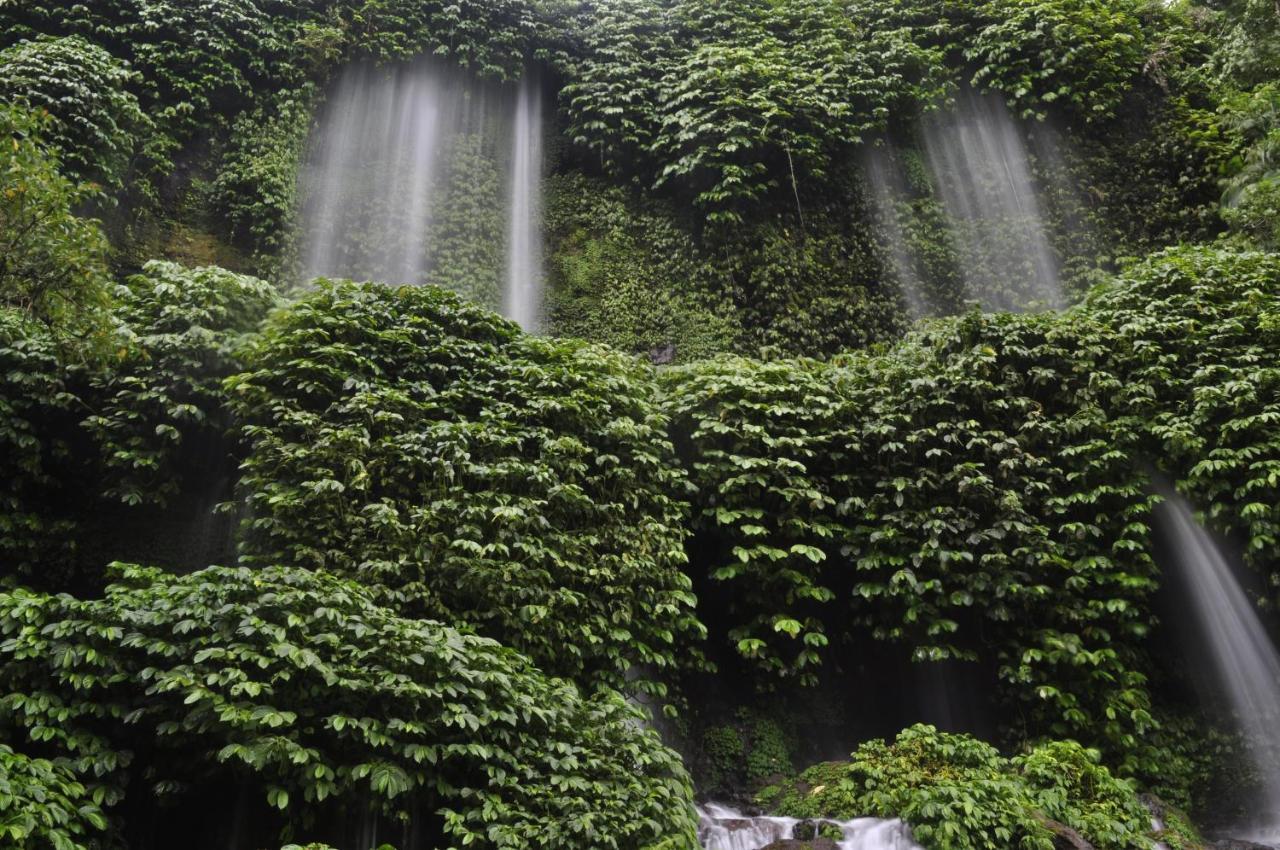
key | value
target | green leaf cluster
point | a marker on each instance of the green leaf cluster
(326, 702)
(735, 103)
(43, 805)
(52, 261)
(523, 486)
(92, 443)
(983, 487)
(958, 793)
(96, 118)
(162, 396)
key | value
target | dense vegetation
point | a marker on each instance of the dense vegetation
(466, 571)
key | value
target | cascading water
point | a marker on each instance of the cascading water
(1245, 663)
(982, 171)
(888, 192)
(723, 828)
(404, 185)
(523, 297)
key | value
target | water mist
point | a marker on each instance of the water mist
(888, 191)
(405, 182)
(981, 168)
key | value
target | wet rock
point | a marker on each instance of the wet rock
(1238, 844)
(663, 354)
(802, 844)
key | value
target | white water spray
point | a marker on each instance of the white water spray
(523, 295)
(888, 191)
(723, 828)
(403, 185)
(1246, 665)
(982, 171)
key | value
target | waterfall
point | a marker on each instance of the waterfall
(522, 300)
(723, 828)
(404, 181)
(1245, 664)
(888, 191)
(982, 170)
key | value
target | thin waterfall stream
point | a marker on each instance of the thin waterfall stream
(1245, 665)
(522, 300)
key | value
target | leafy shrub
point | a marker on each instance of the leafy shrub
(256, 187)
(989, 473)
(96, 119)
(1197, 331)
(162, 397)
(741, 754)
(1082, 54)
(958, 793)
(299, 683)
(52, 262)
(144, 423)
(520, 485)
(1072, 787)
(42, 804)
(733, 102)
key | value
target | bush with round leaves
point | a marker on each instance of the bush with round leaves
(479, 475)
(96, 118)
(42, 804)
(159, 410)
(301, 685)
(959, 793)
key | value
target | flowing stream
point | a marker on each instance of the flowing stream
(1245, 664)
(723, 828)
(423, 174)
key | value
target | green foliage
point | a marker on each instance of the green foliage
(95, 117)
(987, 474)
(162, 397)
(1152, 176)
(1082, 54)
(523, 486)
(492, 38)
(722, 749)
(742, 754)
(52, 262)
(1246, 34)
(627, 273)
(43, 806)
(1199, 329)
(958, 793)
(1252, 200)
(303, 684)
(141, 424)
(36, 411)
(256, 187)
(734, 102)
